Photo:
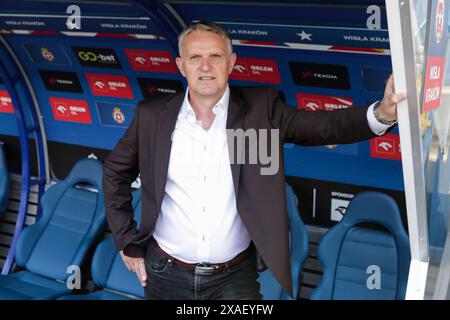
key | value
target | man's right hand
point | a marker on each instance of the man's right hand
(136, 265)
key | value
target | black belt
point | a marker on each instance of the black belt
(204, 268)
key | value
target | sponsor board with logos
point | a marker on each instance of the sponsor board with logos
(48, 54)
(320, 75)
(63, 81)
(115, 114)
(97, 57)
(435, 55)
(70, 110)
(324, 203)
(108, 85)
(314, 102)
(151, 60)
(153, 86)
(257, 70)
(386, 147)
(6, 105)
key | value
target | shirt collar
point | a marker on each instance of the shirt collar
(220, 107)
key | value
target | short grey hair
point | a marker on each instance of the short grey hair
(205, 26)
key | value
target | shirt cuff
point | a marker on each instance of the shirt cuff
(377, 127)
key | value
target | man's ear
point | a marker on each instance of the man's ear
(179, 63)
(233, 62)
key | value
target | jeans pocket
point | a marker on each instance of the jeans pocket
(154, 261)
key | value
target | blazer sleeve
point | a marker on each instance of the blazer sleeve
(318, 127)
(120, 169)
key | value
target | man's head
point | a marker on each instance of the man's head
(206, 59)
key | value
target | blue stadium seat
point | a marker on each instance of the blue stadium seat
(109, 271)
(298, 237)
(354, 256)
(72, 218)
(4, 185)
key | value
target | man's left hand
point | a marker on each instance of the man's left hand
(388, 106)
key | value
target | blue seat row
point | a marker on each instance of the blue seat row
(358, 262)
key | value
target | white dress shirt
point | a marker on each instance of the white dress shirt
(199, 221)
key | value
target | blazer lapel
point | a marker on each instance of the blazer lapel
(235, 120)
(167, 119)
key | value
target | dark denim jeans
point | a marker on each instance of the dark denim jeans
(169, 281)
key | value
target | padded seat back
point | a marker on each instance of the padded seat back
(72, 218)
(298, 238)
(4, 180)
(361, 262)
(108, 269)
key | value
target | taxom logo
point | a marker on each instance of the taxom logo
(151, 61)
(386, 147)
(258, 70)
(70, 110)
(339, 204)
(109, 85)
(314, 102)
(6, 105)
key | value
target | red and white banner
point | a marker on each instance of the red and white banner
(433, 83)
(71, 110)
(386, 147)
(258, 70)
(313, 102)
(6, 105)
(151, 61)
(109, 85)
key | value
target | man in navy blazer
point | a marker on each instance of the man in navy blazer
(208, 201)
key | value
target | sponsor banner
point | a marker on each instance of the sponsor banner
(436, 45)
(152, 86)
(320, 75)
(97, 57)
(267, 34)
(151, 61)
(258, 70)
(64, 81)
(6, 105)
(115, 114)
(339, 204)
(386, 147)
(109, 85)
(141, 25)
(373, 79)
(313, 102)
(71, 110)
(433, 83)
(324, 203)
(47, 54)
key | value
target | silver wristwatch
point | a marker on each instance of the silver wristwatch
(379, 118)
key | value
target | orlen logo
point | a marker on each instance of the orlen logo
(151, 61)
(241, 68)
(313, 102)
(109, 85)
(258, 70)
(70, 110)
(386, 147)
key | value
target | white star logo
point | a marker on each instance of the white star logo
(305, 35)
